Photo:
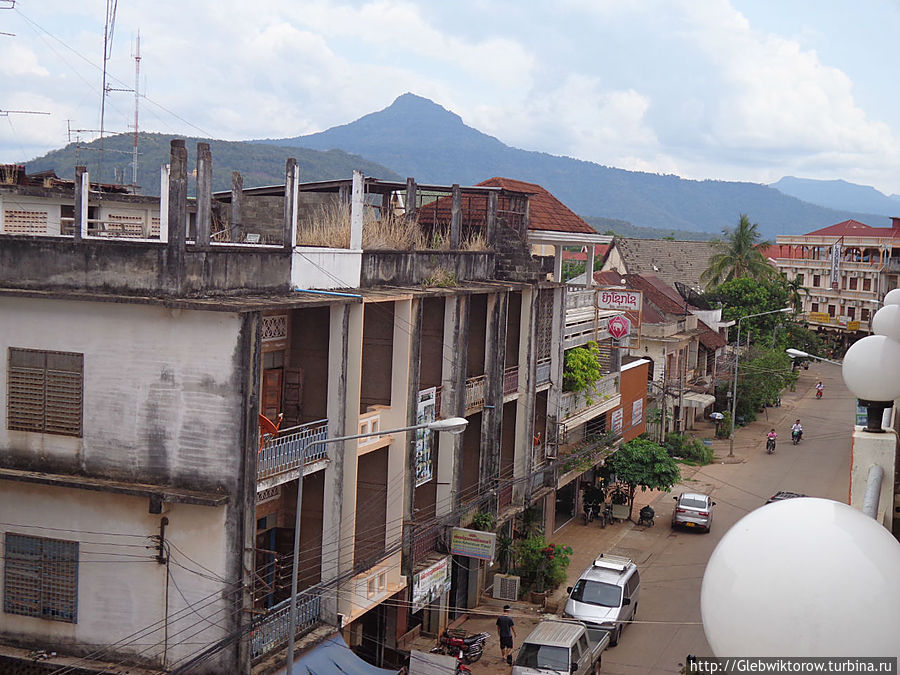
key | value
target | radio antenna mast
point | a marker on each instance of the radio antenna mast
(108, 30)
(137, 98)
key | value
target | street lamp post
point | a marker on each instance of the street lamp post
(452, 425)
(798, 354)
(737, 352)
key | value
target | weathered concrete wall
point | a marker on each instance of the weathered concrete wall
(163, 393)
(121, 588)
(122, 266)
(410, 268)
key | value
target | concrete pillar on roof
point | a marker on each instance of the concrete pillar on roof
(237, 206)
(178, 215)
(455, 217)
(164, 203)
(204, 195)
(589, 267)
(523, 459)
(357, 205)
(411, 205)
(490, 219)
(291, 189)
(82, 195)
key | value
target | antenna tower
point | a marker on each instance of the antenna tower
(137, 98)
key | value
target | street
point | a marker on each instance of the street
(672, 563)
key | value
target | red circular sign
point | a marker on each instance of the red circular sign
(619, 327)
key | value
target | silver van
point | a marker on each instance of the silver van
(605, 596)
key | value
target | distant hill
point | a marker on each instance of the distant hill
(258, 164)
(625, 229)
(416, 137)
(841, 195)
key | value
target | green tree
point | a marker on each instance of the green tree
(744, 296)
(737, 255)
(641, 463)
(762, 375)
(582, 368)
(797, 290)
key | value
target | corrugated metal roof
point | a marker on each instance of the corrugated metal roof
(555, 633)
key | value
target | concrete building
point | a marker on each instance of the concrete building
(144, 485)
(674, 262)
(846, 270)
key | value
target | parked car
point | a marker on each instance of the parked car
(605, 597)
(559, 646)
(693, 510)
(783, 494)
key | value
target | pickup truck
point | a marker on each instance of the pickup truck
(560, 647)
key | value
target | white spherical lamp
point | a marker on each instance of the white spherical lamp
(887, 322)
(803, 577)
(871, 370)
(892, 297)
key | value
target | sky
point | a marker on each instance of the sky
(748, 90)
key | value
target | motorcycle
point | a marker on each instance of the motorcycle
(590, 512)
(605, 515)
(818, 393)
(466, 648)
(770, 446)
(796, 436)
(646, 516)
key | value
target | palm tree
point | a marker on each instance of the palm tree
(797, 291)
(738, 255)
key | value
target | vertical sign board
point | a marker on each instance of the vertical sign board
(637, 412)
(425, 413)
(629, 301)
(472, 543)
(616, 420)
(430, 584)
(835, 265)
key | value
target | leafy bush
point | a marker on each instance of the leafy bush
(542, 566)
(582, 368)
(723, 428)
(686, 447)
(483, 521)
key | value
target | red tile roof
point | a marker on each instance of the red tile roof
(854, 228)
(545, 212)
(600, 251)
(710, 338)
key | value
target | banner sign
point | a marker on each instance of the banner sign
(616, 418)
(429, 584)
(637, 412)
(853, 325)
(472, 543)
(608, 298)
(819, 317)
(424, 441)
(835, 265)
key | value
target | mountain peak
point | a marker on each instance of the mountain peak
(423, 109)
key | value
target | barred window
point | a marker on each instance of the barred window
(41, 578)
(45, 391)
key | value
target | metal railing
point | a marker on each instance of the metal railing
(574, 402)
(270, 631)
(542, 374)
(284, 452)
(511, 380)
(474, 393)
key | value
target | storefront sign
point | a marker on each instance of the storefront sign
(619, 299)
(853, 325)
(619, 327)
(637, 412)
(819, 317)
(472, 543)
(430, 584)
(616, 418)
(424, 440)
(835, 265)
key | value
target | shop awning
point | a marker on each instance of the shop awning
(331, 656)
(693, 399)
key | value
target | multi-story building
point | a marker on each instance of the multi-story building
(846, 270)
(149, 506)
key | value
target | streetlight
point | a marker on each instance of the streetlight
(737, 354)
(798, 354)
(451, 425)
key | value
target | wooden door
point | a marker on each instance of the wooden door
(271, 393)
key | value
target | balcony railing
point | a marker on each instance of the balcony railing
(270, 631)
(572, 403)
(474, 393)
(511, 381)
(543, 372)
(284, 452)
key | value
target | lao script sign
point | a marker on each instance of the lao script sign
(610, 298)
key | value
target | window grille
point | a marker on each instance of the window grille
(25, 222)
(544, 323)
(45, 391)
(41, 578)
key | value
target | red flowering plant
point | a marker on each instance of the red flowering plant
(542, 566)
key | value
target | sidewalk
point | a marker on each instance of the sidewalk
(588, 541)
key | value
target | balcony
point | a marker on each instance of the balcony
(511, 381)
(281, 456)
(578, 407)
(583, 323)
(270, 631)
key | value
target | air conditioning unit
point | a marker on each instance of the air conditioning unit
(506, 587)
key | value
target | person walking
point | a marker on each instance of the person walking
(507, 630)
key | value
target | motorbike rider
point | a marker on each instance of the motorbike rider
(797, 430)
(820, 389)
(770, 439)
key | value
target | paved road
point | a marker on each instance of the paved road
(672, 563)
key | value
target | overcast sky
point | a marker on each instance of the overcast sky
(723, 89)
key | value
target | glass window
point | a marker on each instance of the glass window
(543, 656)
(817, 280)
(867, 284)
(853, 283)
(597, 593)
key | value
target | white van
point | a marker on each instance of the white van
(605, 596)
